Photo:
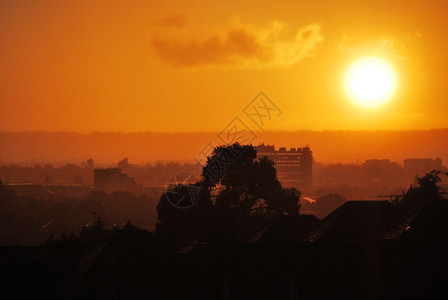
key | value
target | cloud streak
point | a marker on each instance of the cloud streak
(173, 19)
(394, 47)
(241, 48)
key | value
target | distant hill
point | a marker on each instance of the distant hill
(110, 147)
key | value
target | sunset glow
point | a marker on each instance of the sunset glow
(370, 82)
(223, 149)
(131, 66)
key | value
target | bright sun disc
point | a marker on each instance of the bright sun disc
(370, 82)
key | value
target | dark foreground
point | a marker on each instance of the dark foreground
(126, 265)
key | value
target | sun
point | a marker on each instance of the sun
(370, 82)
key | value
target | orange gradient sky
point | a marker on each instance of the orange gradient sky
(181, 66)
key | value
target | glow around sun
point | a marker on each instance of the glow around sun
(370, 82)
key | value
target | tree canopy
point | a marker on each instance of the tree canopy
(427, 190)
(428, 200)
(246, 185)
(236, 186)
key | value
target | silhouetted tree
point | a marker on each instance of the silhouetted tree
(177, 225)
(245, 190)
(428, 197)
(428, 190)
(247, 185)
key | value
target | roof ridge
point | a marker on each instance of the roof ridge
(396, 229)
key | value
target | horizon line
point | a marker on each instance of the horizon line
(214, 132)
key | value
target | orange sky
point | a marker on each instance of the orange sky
(181, 66)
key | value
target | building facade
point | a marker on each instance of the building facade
(294, 166)
(111, 180)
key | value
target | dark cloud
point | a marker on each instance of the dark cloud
(240, 48)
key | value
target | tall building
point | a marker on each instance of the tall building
(111, 180)
(294, 166)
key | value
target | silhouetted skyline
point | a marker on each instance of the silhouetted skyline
(328, 146)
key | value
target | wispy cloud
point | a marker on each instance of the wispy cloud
(173, 19)
(241, 47)
(394, 47)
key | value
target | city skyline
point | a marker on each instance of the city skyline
(146, 147)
